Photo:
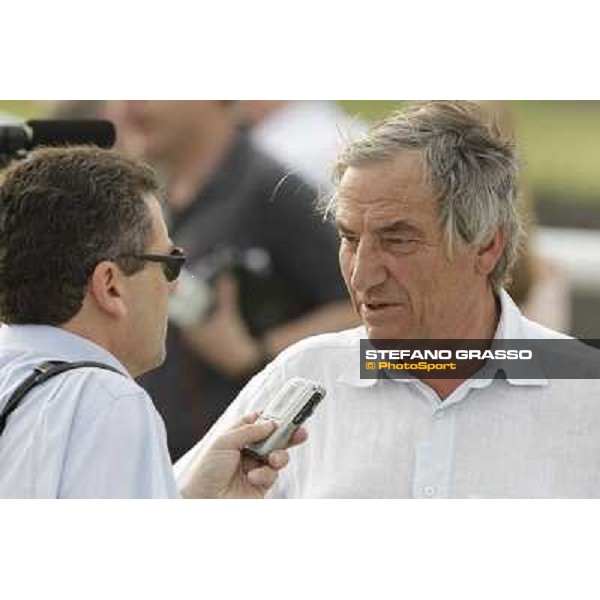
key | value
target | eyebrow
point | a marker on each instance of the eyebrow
(400, 227)
(395, 227)
(341, 227)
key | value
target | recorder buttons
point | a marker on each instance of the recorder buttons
(308, 409)
(302, 415)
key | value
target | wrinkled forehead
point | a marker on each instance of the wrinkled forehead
(386, 191)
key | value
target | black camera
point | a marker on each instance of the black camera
(265, 298)
(17, 140)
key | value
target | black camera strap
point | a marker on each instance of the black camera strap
(40, 374)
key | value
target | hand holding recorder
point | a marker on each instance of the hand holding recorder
(224, 472)
(244, 461)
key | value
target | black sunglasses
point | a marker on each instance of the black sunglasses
(171, 263)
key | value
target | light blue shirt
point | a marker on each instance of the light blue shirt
(382, 438)
(87, 433)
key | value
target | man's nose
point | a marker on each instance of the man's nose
(369, 268)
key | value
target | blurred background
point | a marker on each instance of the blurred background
(222, 150)
(559, 143)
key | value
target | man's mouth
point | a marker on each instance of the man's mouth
(379, 305)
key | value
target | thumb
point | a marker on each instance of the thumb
(237, 438)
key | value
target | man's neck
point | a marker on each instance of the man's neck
(481, 325)
(101, 337)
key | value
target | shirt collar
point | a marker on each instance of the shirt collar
(54, 343)
(351, 374)
(511, 325)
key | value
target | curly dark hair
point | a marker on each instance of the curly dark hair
(63, 210)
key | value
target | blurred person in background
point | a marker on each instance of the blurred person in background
(225, 197)
(304, 135)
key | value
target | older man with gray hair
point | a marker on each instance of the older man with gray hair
(426, 209)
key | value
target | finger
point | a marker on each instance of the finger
(248, 433)
(278, 459)
(299, 437)
(250, 462)
(245, 420)
(264, 476)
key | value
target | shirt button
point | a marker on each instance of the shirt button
(429, 491)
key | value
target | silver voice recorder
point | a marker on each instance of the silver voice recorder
(290, 407)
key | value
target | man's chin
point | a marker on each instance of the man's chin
(377, 332)
(157, 362)
(160, 358)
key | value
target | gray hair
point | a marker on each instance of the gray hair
(469, 163)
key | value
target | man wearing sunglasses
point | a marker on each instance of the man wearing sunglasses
(86, 269)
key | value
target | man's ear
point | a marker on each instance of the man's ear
(489, 255)
(106, 287)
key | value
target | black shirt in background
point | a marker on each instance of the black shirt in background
(257, 210)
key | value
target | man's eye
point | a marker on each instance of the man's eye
(400, 241)
(401, 245)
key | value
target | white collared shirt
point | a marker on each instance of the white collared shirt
(382, 438)
(87, 433)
